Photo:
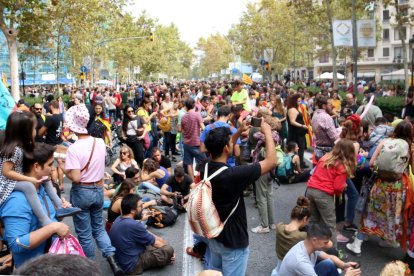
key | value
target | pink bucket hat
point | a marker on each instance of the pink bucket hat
(77, 118)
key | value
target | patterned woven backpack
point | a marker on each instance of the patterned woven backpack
(202, 214)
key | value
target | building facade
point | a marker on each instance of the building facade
(386, 57)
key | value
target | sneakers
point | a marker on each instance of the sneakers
(350, 228)
(67, 212)
(355, 247)
(272, 226)
(260, 230)
(341, 238)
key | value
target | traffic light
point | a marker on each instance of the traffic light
(267, 66)
(82, 76)
(151, 36)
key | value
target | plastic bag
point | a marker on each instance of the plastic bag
(68, 245)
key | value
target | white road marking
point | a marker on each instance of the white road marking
(191, 266)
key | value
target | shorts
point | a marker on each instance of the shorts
(191, 152)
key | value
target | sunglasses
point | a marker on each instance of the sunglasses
(124, 152)
(37, 109)
(130, 111)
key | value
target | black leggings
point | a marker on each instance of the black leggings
(137, 147)
(169, 140)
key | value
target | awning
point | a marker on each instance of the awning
(366, 74)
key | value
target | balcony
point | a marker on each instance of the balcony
(369, 59)
(384, 59)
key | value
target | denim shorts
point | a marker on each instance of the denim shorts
(191, 152)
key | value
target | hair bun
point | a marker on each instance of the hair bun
(302, 201)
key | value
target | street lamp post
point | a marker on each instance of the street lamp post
(411, 41)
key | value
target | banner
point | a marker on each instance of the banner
(6, 105)
(342, 32)
(366, 33)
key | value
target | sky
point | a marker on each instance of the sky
(194, 18)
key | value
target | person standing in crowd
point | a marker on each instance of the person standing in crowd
(241, 97)
(52, 129)
(170, 134)
(84, 166)
(386, 204)
(37, 110)
(325, 132)
(137, 249)
(191, 123)
(373, 113)
(144, 112)
(279, 112)
(297, 128)
(100, 127)
(350, 107)
(118, 105)
(227, 193)
(223, 117)
(133, 127)
(110, 105)
(25, 235)
(328, 180)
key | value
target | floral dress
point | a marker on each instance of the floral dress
(384, 214)
(7, 185)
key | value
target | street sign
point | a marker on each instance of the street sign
(137, 69)
(87, 61)
(262, 62)
(83, 69)
(234, 71)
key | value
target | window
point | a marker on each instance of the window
(404, 11)
(370, 53)
(385, 52)
(385, 15)
(386, 34)
(397, 34)
(397, 52)
(324, 58)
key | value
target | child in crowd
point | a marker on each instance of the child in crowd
(19, 143)
(328, 179)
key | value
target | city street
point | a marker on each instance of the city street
(262, 246)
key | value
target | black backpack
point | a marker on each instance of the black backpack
(163, 216)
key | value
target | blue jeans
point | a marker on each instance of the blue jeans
(89, 222)
(207, 258)
(326, 268)
(229, 261)
(352, 195)
(150, 186)
(191, 152)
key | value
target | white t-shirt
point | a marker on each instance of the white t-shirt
(78, 155)
(297, 262)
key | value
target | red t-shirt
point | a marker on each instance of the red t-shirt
(329, 180)
(190, 125)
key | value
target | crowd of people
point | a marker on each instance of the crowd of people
(170, 136)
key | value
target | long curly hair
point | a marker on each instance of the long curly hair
(342, 153)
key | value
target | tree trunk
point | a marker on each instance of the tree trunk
(14, 66)
(329, 13)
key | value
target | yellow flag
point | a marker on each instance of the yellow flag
(247, 79)
(4, 79)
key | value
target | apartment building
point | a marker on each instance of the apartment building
(386, 57)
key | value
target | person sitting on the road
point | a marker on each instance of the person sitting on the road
(301, 258)
(287, 235)
(126, 159)
(295, 174)
(114, 211)
(25, 236)
(161, 159)
(154, 173)
(136, 248)
(177, 186)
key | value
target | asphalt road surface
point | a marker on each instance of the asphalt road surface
(262, 246)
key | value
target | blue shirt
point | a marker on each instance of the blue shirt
(19, 221)
(231, 161)
(130, 238)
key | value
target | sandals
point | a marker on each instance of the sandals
(189, 251)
